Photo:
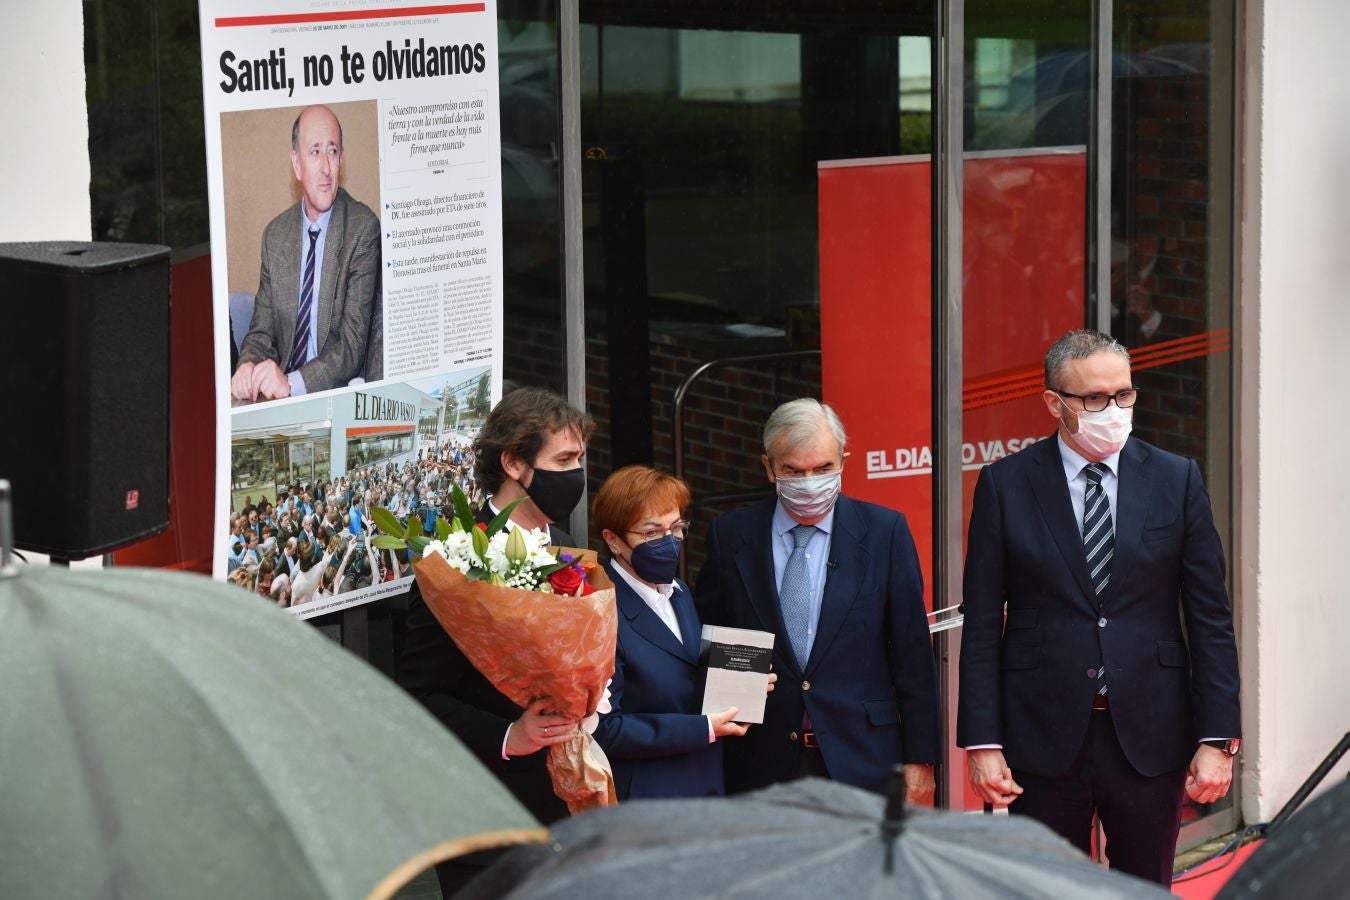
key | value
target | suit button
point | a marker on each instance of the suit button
(1101, 623)
(1092, 673)
(792, 736)
(806, 685)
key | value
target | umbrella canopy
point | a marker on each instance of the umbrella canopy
(1308, 856)
(809, 838)
(163, 735)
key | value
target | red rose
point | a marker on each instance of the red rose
(565, 581)
(482, 525)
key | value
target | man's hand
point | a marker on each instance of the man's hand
(1210, 774)
(536, 729)
(723, 725)
(269, 382)
(990, 777)
(919, 784)
(241, 385)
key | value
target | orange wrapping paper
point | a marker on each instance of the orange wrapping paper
(533, 646)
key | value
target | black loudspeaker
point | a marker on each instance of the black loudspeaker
(84, 346)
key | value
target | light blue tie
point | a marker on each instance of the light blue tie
(794, 597)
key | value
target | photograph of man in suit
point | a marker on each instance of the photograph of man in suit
(316, 319)
(838, 582)
(1113, 687)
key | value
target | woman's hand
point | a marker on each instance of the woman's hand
(723, 725)
(535, 730)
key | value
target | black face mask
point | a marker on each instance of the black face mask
(557, 493)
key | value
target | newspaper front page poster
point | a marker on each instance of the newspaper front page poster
(353, 165)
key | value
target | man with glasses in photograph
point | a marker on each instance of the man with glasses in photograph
(838, 582)
(1099, 670)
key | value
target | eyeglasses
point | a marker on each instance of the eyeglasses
(1098, 402)
(679, 531)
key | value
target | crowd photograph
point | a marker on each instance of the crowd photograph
(309, 541)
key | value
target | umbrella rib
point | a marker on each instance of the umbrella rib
(94, 779)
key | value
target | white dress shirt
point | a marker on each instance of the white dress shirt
(657, 598)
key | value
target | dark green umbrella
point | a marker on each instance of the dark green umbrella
(812, 839)
(163, 735)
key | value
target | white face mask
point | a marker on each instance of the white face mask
(1103, 433)
(809, 496)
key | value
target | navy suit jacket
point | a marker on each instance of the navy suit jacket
(1030, 685)
(870, 685)
(655, 737)
(349, 297)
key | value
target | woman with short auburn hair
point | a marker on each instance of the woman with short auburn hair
(658, 741)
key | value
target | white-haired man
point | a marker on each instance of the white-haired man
(837, 581)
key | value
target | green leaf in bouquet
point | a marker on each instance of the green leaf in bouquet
(545, 571)
(463, 512)
(494, 578)
(447, 527)
(386, 521)
(414, 527)
(480, 543)
(500, 519)
(389, 542)
(419, 544)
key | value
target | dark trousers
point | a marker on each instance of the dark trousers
(1140, 814)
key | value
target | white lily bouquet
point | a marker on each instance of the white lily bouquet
(537, 623)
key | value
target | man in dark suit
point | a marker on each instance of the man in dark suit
(838, 583)
(531, 447)
(317, 307)
(1092, 698)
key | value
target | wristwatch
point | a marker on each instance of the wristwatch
(1228, 746)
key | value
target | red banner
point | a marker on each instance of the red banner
(1023, 262)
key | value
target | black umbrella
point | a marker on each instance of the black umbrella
(1309, 856)
(810, 838)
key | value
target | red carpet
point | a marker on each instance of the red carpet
(1212, 875)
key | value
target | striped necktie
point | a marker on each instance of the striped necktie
(1099, 536)
(300, 346)
(794, 597)
(1099, 540)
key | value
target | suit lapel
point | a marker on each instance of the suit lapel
(332, 247)
(847, 561)
(1134, 491)
(644, 619)
(1052, 495)
(286, 269)
(692, 633)
(754, 562)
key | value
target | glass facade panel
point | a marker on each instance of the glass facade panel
(1172, 236)
(702, 127)
(370, 451)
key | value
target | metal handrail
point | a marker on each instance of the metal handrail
(677, 419)
(677, 423)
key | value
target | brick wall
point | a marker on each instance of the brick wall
(724, 417)
(1166, 213)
